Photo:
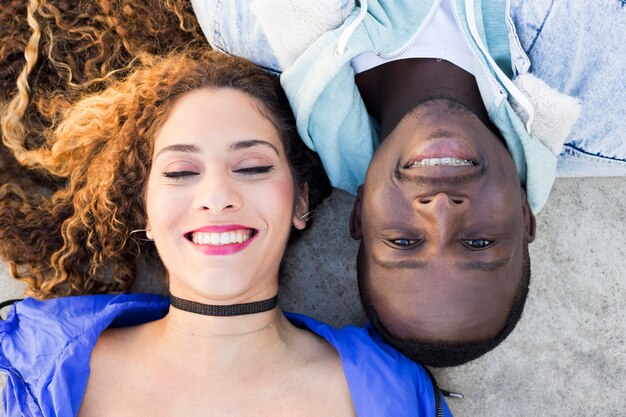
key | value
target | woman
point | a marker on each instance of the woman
(207, 145)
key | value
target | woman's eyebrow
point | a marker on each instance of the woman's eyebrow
(245, 144)
(180, 147)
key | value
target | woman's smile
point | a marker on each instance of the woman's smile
(222, 239)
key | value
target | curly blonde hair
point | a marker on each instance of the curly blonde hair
(74, 236)
(54, 52)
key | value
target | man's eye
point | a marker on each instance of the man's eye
(179, 174)
(404, 243)
(255, 170)
(478, 243)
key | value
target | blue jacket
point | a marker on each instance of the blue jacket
(45, 348)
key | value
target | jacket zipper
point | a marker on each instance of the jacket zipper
(436, 393)
(485, 69)
(416, 35)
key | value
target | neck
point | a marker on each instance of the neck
(214, 321)
(212, 341)
(223, 310)
(391, 90)
(216, 327)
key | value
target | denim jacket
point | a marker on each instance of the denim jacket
(332, 118)
(575, 48)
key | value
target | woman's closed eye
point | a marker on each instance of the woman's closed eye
(254, 170)
(182, 174)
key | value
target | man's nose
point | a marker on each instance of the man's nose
(217, 193)
(442, 211)
(443, 200)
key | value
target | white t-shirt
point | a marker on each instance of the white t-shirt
(441, 38)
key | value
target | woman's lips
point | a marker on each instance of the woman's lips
(221, 239)
(219, 228)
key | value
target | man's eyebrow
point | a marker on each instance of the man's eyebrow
(179, 147)
(483, 266)
(245, 144)
(404, 264)
(466, 266)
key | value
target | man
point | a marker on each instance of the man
(443, 219)
(462, 138)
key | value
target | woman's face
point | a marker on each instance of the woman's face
(220, 198)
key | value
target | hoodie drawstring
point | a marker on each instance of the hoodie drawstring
(342, 43)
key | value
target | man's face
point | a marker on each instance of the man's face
(443, 219)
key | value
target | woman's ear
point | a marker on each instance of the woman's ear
(149, 234)
(301, 211)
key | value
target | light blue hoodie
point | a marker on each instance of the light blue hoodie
(534, 119)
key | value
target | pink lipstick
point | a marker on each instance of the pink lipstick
(221, 239)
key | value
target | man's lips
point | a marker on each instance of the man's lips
(442, 152)
(441, 175)
(447, 161)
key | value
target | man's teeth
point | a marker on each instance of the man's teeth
(446, 161)
(219, 239)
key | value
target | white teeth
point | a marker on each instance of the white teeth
(219, 239)
(446, 161)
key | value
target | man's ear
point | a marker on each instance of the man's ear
(530, 224)
(301, 211)
(355, 216)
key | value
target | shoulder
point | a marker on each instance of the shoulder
(380, 378)
(39, 329)
(49, 343)
(357, 341)
(66, 318)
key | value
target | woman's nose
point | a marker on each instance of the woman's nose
(216, 194)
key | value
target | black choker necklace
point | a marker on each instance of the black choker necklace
(224, 310)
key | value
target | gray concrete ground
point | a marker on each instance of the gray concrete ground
(568, 355)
